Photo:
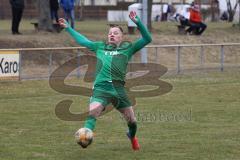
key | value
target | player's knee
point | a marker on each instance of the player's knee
(94, 113)
(131, 118)
(95, 109)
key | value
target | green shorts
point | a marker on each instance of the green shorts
(109, 92)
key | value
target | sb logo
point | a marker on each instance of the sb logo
(151, 77)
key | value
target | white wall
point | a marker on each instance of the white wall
(117, 16)
(223, 7)
(98, 2)
(156, 8)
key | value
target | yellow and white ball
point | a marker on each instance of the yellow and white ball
(84, 137)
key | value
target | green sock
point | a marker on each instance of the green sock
(132, 129)
(90, 122)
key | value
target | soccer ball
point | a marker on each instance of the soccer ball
(84, 137)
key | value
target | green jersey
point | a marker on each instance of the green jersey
(112, 60)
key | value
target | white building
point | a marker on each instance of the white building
(205, 4)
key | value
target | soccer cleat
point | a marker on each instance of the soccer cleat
(134, 141)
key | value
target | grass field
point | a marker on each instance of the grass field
(198, 120)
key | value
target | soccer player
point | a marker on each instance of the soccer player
(112, 61)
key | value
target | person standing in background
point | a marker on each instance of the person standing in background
(54, 6)
(164, 12)
(17, 11)
(68, 7)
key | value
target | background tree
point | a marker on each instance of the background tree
(149, 23)
(44, 19)
(239, 13)
(80, 9)
(214, 10)
(92, 2)
(231, 10)
(149, 13)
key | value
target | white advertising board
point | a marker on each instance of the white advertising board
(9, 64)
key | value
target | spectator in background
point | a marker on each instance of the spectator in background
(54, 6)
(68, 7)
(224, 16)
(192, 4)
(170, 11)
(184, 17)
(164, 12)
(17, 11)
(196, 21)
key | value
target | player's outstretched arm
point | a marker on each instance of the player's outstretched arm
(146, 36)
(80, 39)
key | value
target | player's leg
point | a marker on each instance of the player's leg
(98, 102)
(129, 116)
(123, 105)
(95, 109)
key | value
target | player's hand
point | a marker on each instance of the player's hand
(63, 23)
(133, 16)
